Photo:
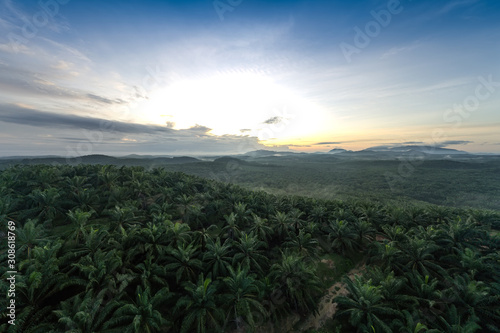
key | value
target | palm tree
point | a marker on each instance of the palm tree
(281, 225)
(298, 282)
(452, 322)
(184, 263)
(343, 214)
(474, 298)
(194, 216)
(248, 252)
(151, 274)
(204, 235)
(7, 204)
(184, 201)
(242, 214)
(438, 214)
(417, 255)
(123, 217)
(231, 229)
(201, 307)
(178, 233)
(458, 235)
(92, 241)
(426, 291)
(108, 176)
(365, 306)
(126, 244)
(260, 228)
(394, 233)
(29, 236)
(87, 314)
(142, 315)
(40, 280)
(319, 214)
(341, 236)
(218, 257)
(411, 324)
(370, 214)
(242, 294)
(79, 218)
(46, 204)
(295, 220)
(100, 271)
(303, 244)
(365, 232)
(154, 239)
(385, 253)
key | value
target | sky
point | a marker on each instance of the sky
(231, 76)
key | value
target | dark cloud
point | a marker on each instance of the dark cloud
(273, 120)
(23, 116)
(72, 135)
(454, 142)
(105, 100)
(199, 129)
(412, 143)
(328, 143)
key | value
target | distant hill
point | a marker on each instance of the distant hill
(338, 151)
(150, 161)
(265, 153)
(176, 159)
(419, 149)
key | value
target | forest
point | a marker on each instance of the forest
(103, 248)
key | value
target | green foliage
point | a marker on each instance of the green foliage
(107, 249)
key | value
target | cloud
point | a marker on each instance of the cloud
(299, 146)
(419, 143)
(452, 143)
(76, 135)
(105, 100)
(199, 129)
(454, 4)
(273, 120)
(62, 65)
(328, 143)
(24, 116)
(396, 50)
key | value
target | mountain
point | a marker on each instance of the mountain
(338, 151)
(432, 150)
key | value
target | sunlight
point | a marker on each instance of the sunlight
(235, 104)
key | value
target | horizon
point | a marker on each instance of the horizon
(224, 78)
(375, 149)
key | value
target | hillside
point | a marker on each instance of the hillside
(472, 181)
(103, 249)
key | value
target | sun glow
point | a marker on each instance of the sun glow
(235, 104)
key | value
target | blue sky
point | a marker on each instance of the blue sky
(191, 77)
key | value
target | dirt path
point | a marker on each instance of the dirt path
(326, 307)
